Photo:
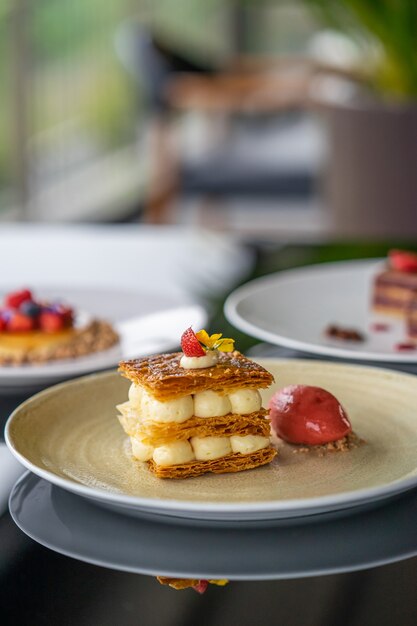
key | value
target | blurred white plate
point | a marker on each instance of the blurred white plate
(293, 309)
(323, 544)
(146, 322)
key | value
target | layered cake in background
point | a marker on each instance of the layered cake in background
(36, 331)
(395, 287)
(411, 319)
(197, 411)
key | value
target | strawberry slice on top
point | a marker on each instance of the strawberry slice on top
(190, 344)
(403, 260)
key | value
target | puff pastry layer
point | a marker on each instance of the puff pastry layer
(231, 463)
(163, 377)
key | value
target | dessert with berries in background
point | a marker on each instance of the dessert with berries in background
(33, 330)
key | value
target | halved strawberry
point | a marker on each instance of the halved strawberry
(51, 322)
(14, 300)
(190, 344)
(3, 324)
(403, 260)
(19, 323)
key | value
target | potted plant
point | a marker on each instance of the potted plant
(371, 113)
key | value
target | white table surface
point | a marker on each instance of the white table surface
(185, 262)
(175, 259)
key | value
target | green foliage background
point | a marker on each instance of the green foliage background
(389, 28)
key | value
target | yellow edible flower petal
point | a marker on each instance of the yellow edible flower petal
(214, 338)
(203, 337)
(221, 583)
(226, 345)
(215, 341)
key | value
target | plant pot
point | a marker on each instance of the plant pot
(370, 179)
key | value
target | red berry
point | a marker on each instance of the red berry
(201, 586)
(14, 300)
(63, 311)
(401, 347)
(67, 314)
(403, 261)
(190, 344)
(19, 323)
(3, 324)
(51, 322)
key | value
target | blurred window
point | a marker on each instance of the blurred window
(69, 111)
(68, 106)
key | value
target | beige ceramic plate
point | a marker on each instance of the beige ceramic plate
(69, 434)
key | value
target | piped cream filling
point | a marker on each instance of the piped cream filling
(200, 362)
(210, 448)
(177, 410)
(203, 404)
(197, 449)
(141, 451)
(211, 404)
(175, 453)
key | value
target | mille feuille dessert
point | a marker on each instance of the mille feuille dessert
(395, 287)
(36, 331)
(197, 411)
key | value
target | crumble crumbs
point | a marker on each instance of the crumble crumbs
(334, 331)
(349, 442)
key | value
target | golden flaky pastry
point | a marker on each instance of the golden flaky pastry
(187, 583)
(226, 464)
(164, 378)
(159, 433)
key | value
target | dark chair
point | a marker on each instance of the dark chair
(258, 105)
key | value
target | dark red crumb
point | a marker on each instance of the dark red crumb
(379, 327)
(340, 332)
(404, 346)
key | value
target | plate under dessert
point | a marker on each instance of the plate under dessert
(325, 544)
(293, 308)
(70, 436)
(146, 322)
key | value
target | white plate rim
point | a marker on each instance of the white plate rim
(260, 284)
(184, 508)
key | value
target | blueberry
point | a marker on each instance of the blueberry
(6, 315)
(29, 308)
